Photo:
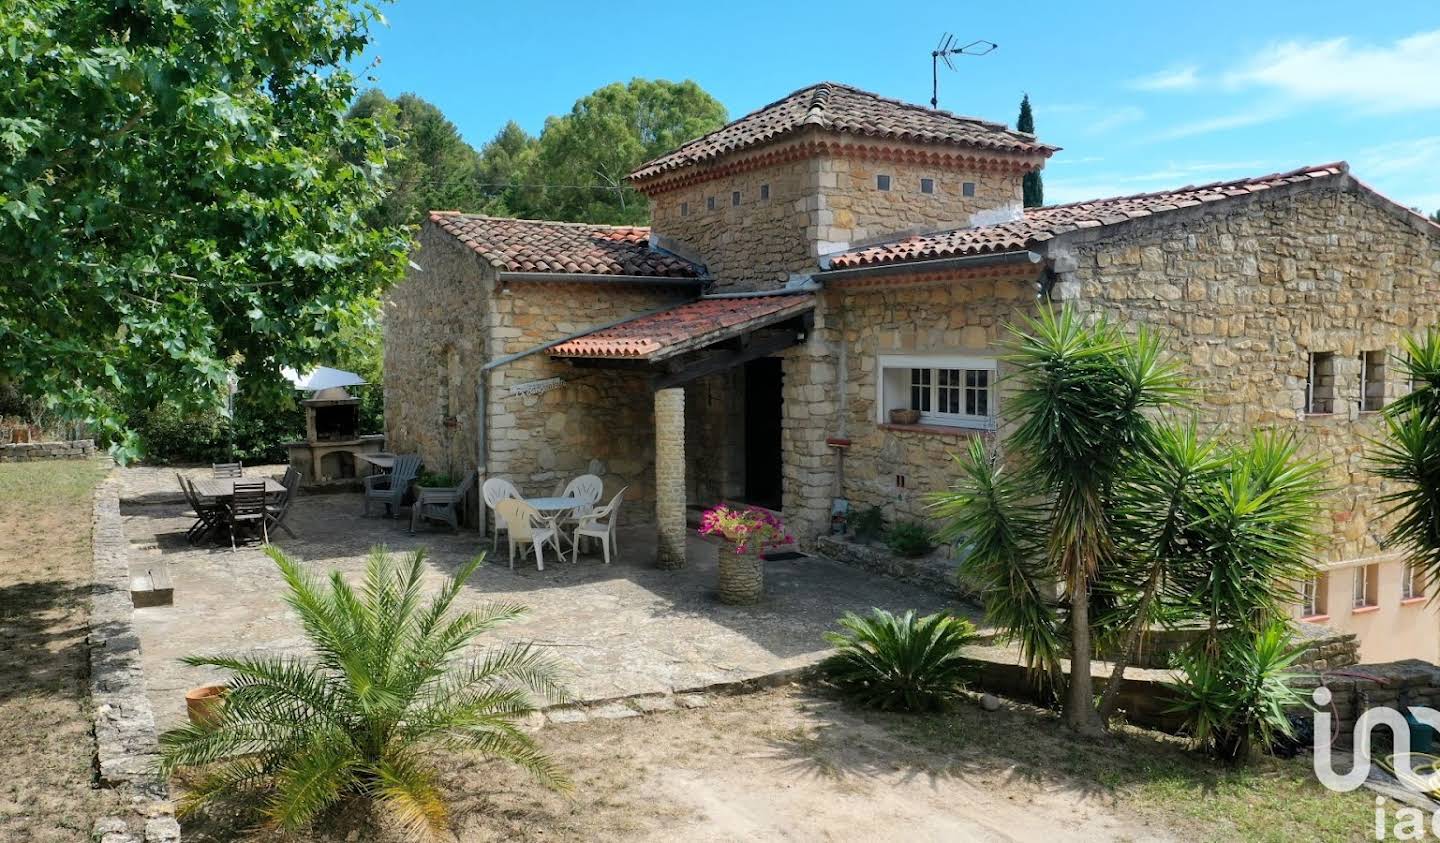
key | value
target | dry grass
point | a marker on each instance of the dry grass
(45, 568)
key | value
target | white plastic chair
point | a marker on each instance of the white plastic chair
(586, 487)
(599, 524)
(528, 527)
(495, 490)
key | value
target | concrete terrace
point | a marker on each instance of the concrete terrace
(621, 630)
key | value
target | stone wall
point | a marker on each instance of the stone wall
(435, 342)
(549, 420)
(1354, 690)
(715, 437)
(852, 210)
(78, 449)
(831, 389)
(760, 241)
(1247, 290)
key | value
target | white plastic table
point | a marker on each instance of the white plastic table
(553, 508)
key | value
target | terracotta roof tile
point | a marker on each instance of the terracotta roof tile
(690, 325)
(1041, 224)
(841, 108)
(513, 245)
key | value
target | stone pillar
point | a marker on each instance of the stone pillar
(670, 478)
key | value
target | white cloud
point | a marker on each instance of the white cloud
(1224, 122)
(1399, 76)
(1413, 158)
(1114, 119)
(1174, 79)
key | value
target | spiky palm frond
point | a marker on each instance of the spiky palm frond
(900, 663)
(1409, 457)
(388, 678)
(991, 517)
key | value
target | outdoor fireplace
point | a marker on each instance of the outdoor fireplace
(329, 456)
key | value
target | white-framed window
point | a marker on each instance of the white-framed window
(1366, 586)
(1413, 585)
(949, 390)
(1312, 596)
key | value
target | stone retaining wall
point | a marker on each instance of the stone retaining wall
(79, 449)
(127, 748)
(1355, 689)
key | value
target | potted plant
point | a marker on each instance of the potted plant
(904, 416)
(202, 704)
(747, 532)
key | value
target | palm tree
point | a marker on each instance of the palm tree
(1410, 457)
(1081, 407)
(387, 682)
(1140, 520)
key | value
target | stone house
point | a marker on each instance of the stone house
(837, 255)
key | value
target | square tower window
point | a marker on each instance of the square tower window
(709, 203)
(927, 185)
(1320, 383)
(764, 192)
(882, 182)
(735, 199)
(967, 188)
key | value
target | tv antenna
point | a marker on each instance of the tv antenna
(943, 51)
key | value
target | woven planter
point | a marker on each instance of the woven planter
(742, 576)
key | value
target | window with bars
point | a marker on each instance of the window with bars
(1372, 381)
(958, 392)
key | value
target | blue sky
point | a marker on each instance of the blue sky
(1141, 95)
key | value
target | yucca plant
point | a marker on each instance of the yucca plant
(900, 663)
(1409, 457)
(1238, 696)
(388, 681)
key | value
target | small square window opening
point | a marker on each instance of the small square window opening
(710, 203)
(735, 199)
(1320, 383)
(967, 188)
(927, 185)
(882, 182)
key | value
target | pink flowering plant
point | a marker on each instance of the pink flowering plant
(748, 528)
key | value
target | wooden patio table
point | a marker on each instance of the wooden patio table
(221, 488)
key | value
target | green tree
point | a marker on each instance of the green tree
(584, 156)
(429, 166)
(1435, 217)
(504, 176)
(388, 682)
(1409, 456)
(1034, 186)
(179, 196)
(1138, 519)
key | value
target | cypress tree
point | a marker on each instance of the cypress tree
(1034, 186)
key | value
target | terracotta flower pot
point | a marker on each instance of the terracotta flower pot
(742, 576)
(202, 704)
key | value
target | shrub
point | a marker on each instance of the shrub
(869, 523)
(1238, 695)
(910, 539)
(297, 736)
(434, 480)
(900, 663)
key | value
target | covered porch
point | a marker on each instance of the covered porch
(711, 370)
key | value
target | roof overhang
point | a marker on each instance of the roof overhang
(677, 282)
(988, 265)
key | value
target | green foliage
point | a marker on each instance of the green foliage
(388, 681)
(1122, 504)
(255, 436)
(505, 174)
(1435, 217)
(868, 523)
(435, 480)
(1409, 457)
(179, 196)
(1034, 187)
(1237, 695)
(910, 539)
(900, 663)
(608, 134)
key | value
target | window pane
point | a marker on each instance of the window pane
(920, 390)
(948, 393)
(977, 392)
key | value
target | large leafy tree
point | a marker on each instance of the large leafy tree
(429, 166)
(584, 156)
(1034, 187)
(503, 175)
(180, 195)
(1139, 519)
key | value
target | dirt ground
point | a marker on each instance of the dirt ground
(46, 745)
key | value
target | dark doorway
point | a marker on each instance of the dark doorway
(763, 410)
